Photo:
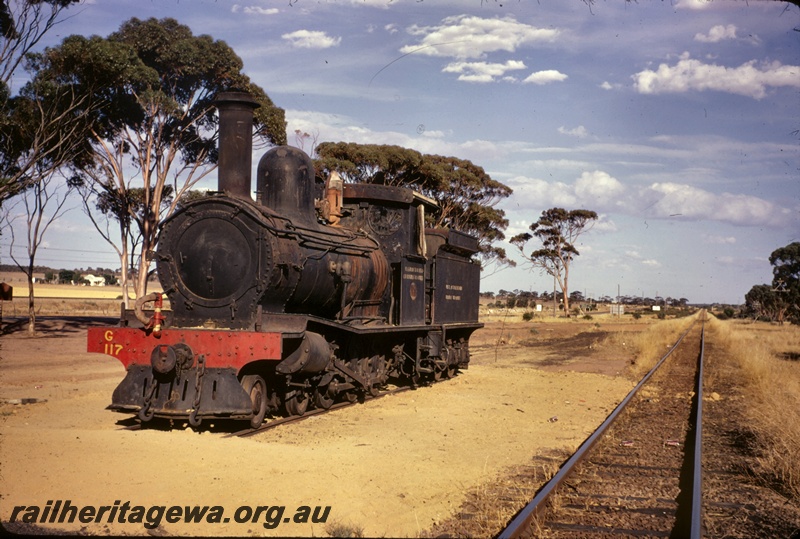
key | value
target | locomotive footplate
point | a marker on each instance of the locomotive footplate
(152, 394)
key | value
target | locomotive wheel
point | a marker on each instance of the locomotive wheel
(296, 402)
(255, 386)
(350, 396)
(321, 398)
(451, 370)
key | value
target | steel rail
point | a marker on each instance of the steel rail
(697, 465)
(520, 523)
(269, 425)
(310, 413)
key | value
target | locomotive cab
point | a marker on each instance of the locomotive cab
(396, 216)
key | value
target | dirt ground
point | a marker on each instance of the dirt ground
(392, 467)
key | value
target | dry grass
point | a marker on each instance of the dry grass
(67, 300)
(62, 307)
(650, 345)
(768, 358)
(339, 529)
(489, 507)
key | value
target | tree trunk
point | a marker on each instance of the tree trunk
(31, 304)
(144, 267)
(124, 265)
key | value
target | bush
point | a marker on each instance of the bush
(527, 316)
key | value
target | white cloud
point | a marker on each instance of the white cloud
(311, 39)
(536, 193)
(392, 28)
(372, 3)
(604, 224)
(688, 74)
(579, 131)
(721, 240)
(465, 36)
(693, 4)
(637, 256)
(433, 134)
(545, 77)
(600, 188)
(254, 10)
(482, 71)
(601, 192)
(693, 203)
(717, 34)
(344, 128)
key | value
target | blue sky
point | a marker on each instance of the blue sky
(674, 120)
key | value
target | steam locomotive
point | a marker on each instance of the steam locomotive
(306, 296)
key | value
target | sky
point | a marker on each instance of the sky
(675, 120)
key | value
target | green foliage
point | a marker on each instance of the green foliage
(465, 193)
(527, 316)
(37, 127)
(157, 83)
(131, 203)
(779, 301)
(41, 130)
(156, 78)
(191, 196)
(67, 276)
(786, 279)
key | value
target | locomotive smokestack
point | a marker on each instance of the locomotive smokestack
(235, 142)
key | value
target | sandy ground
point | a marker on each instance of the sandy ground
(392, 467)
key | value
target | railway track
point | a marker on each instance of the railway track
(277, 422)
(639, 474)
(133, 424)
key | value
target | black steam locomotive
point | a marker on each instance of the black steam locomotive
(301, 298)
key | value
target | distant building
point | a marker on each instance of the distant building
(94, 281)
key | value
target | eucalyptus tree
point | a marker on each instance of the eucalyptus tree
(23, 23)
(786, 278)
(34, 126)
(558, 230)
(43, 203)
(465, 193)
(156, 127)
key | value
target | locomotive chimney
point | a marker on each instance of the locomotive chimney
(235, 142)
